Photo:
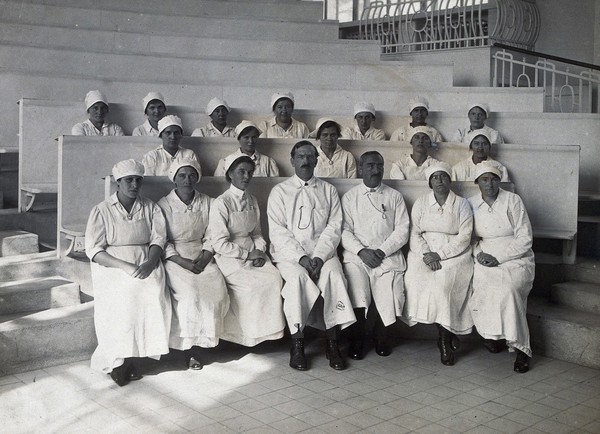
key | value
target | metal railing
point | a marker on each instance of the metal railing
(570, 86)
(413, 25)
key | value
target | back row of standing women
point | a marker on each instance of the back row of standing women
(239, 298)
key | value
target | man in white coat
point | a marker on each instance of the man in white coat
(376, 226)
(305, 226)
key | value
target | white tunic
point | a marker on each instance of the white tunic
(158, 161)
(265, 166)
(305, 219)
(499, 300)
(87, 128)
(465, 170)
(200, 301)
(211, 131)
(405, 133)
(255, 312)
(145, 130)
(341, 165)
(440, 296)
(132, 316)
(406, 168)
(354, 133)
(271, 130)
(375, 220)
(461, 135)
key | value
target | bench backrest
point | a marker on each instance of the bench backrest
(545, 176)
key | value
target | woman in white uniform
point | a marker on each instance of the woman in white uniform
(283, 125)
(256, 311)
(480, 144)
(413, 166)
(247, 134)
(504, 267)
(333, 161)
(154, 109)
(198, 291)
(440, 264)
(477, 114)
(124, 240)
(96, 106)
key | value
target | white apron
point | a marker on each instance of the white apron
(255, 313)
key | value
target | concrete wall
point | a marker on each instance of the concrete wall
(570, 29)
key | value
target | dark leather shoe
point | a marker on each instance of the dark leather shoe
(133, 373)
(356, 350)
(454, 343)
(494, 346)
(382, 348)
(194, 364)
(333, 355)
(446, 353)
(119, 375)
(521, 362)
(297, 357)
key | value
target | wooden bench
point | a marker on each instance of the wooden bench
(546, 177)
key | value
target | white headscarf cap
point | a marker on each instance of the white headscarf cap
(422, 129)
(363, 106)
(487, 167)
(167, 121)
(472, 134)
(129, 167)
(178, 164)
(482, 106)
(242, 126)
(440, 166)
(214, 103)
(418, 101)
(278, 95)
(152, 96)
(94, 96)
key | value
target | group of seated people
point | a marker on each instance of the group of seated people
(335, 162)
(190, 270)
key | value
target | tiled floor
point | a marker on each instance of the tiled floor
(255, 391)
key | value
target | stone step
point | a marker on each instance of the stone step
(280, 9)
(226, 48)
(585, 270)
(32, 295)
(48, 338)
(17, 242)
(35, 265)
(111, 66)
(577, 295)
(230, 25)
(564, 333)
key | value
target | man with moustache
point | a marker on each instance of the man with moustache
(376, 226)
(305, 226)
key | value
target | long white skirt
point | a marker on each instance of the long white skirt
(255, 312)
(132, 316)
(499, 300)
(200, 302)
(300, 294)
(439, 297)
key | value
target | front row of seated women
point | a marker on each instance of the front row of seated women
(156, 285)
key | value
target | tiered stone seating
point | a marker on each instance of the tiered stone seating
(193, 50)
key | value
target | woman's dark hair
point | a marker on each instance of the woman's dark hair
(329, 124)
(154, 100)
(237, 162)
(491, 173)
(480, 135)
(107, 108)
(180, 129)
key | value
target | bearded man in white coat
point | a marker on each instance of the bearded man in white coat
(376, 226)
(305, 227)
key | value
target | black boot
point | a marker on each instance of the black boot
(333, 355)
(297, 357)
(521, 362)
(120, 375)
(445, 346)
(494, 346)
